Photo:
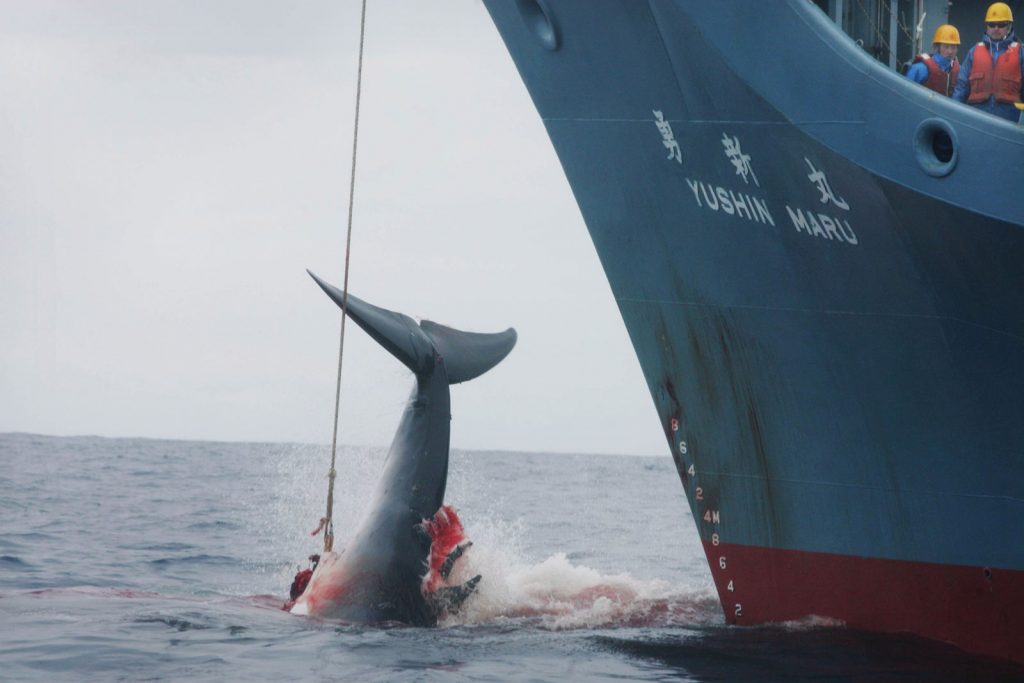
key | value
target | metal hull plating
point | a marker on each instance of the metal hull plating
(819, 266)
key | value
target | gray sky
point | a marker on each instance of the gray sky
(170, 168)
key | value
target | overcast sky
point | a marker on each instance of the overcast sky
(170, 168)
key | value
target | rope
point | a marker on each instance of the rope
(332, 473)
(884, 10)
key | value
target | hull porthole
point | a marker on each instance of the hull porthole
(541, 22)
(935, 147)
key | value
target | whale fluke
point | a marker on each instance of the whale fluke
(466, 354)
(397, 333)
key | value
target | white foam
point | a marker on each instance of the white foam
(812, 622)
(557, 594)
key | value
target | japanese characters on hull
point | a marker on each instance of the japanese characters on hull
(734, 201)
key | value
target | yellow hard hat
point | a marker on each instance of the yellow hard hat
(998, 11)
(947, 35)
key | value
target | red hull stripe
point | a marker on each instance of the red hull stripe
(978, 609)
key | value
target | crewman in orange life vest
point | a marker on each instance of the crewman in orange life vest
(992, 74)
(940, 69)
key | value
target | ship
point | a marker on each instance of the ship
(820, 265)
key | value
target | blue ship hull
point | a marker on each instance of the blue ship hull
(819, 264)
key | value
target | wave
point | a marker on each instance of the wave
(13, 562)
(195, 559)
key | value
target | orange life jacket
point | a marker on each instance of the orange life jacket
(1002, 80)
(942, 82)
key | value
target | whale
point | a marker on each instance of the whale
(396, 566)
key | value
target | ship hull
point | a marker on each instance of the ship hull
(822, 285)
(975, 608)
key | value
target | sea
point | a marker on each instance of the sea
(149, 560)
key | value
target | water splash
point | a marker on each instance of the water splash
(292, 501)
(555, 594)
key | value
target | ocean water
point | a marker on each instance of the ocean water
(146, 560)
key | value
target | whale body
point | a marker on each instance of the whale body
(394, 568)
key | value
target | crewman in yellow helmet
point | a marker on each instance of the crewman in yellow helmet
(939, 70)
(992, 75)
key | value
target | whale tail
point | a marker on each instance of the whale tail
(466, 354)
